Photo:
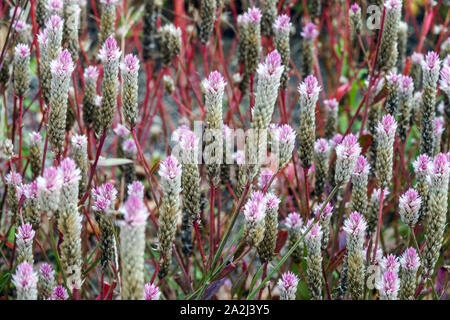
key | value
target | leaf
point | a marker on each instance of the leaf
(440, 282)
(102, 162)
(364, 141)
(212, 289)
(281, 240)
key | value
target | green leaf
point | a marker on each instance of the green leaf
(102, 162)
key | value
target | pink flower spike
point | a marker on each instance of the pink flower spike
(440, 165)
(409, 206)
(151, 292)
(390, 262)
(294, 221)
(35, 137)
(62, 66)
(170, 168)
(417, 58)
(355, 225)
(254, 15)
(109, 51)
(54, 24)
(410, 260)
(43, 37)
(309, 88)
(54, 6)
(282, 23)
(134, 211)
(431, 61)
(109, 2)
(121, 131)
(272, 66)
(389, 286)
(22, 50)
(331, 104)
(286, 134)
(362, 166)
(30, 191)
(129, 146)
(59, 293)
(393, 78)
(79, 140)
(321, 146)
(272, 201)
(91, 73)
(309, 31)
(355, 7)
(393, 4)
(315, 234)
(288, 286)
(69, 171)
(20, 26)
(25, 278)
(13, 178)
(406, 85)
(25, 232)
(349, 147)
(51, 181)
(214, 83)
(46, 271)
(444, 83)
(438, 126)
(422, 165)
(254, 210)
(327, 211)
(387, 126)
(264, 178)
(136, 189)
(130, 64)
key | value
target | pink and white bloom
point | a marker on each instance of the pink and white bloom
(49, 188)
(294, 221)
(393, 4)
(170, 169)
(54, 24)
(355, 8)
(25, 233)
(91, 73)
(272, 201)
(54, 6)
(46, 272)
(22, 50)
(134, 211)
(255, 208)
(264, 178)
(25, 281)
(410, 260)
(355, 225)
(129, 147)
(13, 178)
(271, 69)
(387, 127)
(282, 24)
(254, 15)
(62, 66)
(347, 153)
(59, 293)
(409, 206)
(389, 286)
(326, 213)
(417, 57)
(104, 197)
(309, 91)
(288, 286)
(331, 105)
(109, 51)
(310, 32)
(422, 165)
(121, 131)
(362, 167)
(390, 262)
(151, 292)
(136, 189)
(321, 146)
(130, 64)
(69, 172)
(214, 84)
